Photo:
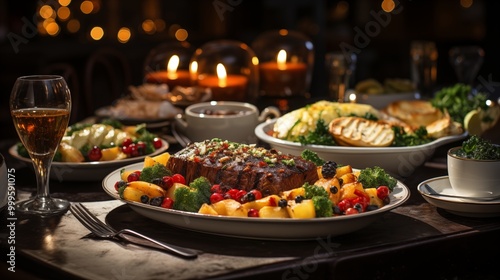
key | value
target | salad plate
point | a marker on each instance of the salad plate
(87, 171)
(257, 228)
(457, 206)
(399, 161)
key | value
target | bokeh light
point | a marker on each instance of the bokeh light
(63, 13)
(46, 12)
(97, 33)
(123, 35)
(73, 25)
(87, 7)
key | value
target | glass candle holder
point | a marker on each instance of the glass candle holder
(228, 68)
(285, 63)
(168, 64)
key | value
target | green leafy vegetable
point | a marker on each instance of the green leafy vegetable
(403, 139)
(313, 190)
(190, 199)
(458, 101)
(312, 156)
(375, 177)
(157, 170)
(320, 135)
(479, 149)
(322, 206)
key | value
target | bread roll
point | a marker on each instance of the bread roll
(416, 113)
(355, 131)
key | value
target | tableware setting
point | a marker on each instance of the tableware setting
(472, 180)
(87, 171)
(256, 228)
(380, 94)
(40, 106)
(400, 161)
(229, 120)
(447, 200)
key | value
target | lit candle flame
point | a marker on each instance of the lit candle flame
(172, 65)
(281, 59)
(193, 69)
(222, 75)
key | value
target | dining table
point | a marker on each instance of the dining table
(416, 240)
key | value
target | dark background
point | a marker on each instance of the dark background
(328, 24)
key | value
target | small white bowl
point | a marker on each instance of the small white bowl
(474, 178)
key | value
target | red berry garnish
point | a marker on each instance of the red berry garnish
(257, 194)
(141, 148)
(167, 203)
(216, 197)
(216, 189)
(168, 182)
(157, 143)
(382, 192)
(95, 154)
(178, 178)
(127, 142)
(134, 176)
(253, 213)
(239, 195)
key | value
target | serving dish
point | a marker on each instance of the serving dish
(87, 171)
(380, 101)
(399, 161)
(256, 228)
(457, 206)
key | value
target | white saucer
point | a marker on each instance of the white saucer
(458, 206)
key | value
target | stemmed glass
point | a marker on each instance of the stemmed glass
(40, 107)
(466, 60)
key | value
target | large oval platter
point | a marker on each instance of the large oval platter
(257, 228)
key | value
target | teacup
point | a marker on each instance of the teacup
(471, 177)
(3, 183)
(227, 120)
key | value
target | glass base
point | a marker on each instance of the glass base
(43, 206)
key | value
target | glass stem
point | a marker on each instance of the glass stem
(42, 167)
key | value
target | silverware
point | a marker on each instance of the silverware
(431, 191)
(102, 230)
(182, 139)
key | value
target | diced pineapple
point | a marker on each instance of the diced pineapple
(113, 153)
(271, 200)
(207, 209)
(229, 207)
(341, 170)
(327, 184)
(293, 193)
(70, 153)
(302, 210)
(148, 162)
(171, 190)
(374, 200)
(132, 194)
(347, 190)
(162, 158)
(348, 178)
(273, 212)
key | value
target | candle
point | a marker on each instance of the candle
(225, 86)
(282, 78)
(172, 76)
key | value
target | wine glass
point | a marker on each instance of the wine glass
(40, 106)
(466, 60)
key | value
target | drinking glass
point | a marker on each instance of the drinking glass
(466, 60)
(40, 107)
(424, 56)
(340, 69)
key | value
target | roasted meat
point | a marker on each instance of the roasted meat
(242, 166)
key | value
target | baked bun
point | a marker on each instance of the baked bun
(355, 131)
(416, 113)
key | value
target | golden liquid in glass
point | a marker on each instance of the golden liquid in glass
(41, 129)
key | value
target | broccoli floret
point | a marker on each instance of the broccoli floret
(312, 156)
(190, 199)
(322, 206)
(313, 190)
(157, 170)
(375, 177)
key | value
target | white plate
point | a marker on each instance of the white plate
(399, 161)
(105, 112)
(87, 171)
(380, 101)
(462, 207)
(255, 228)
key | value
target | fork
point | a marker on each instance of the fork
(182, 139)
(102, 230)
